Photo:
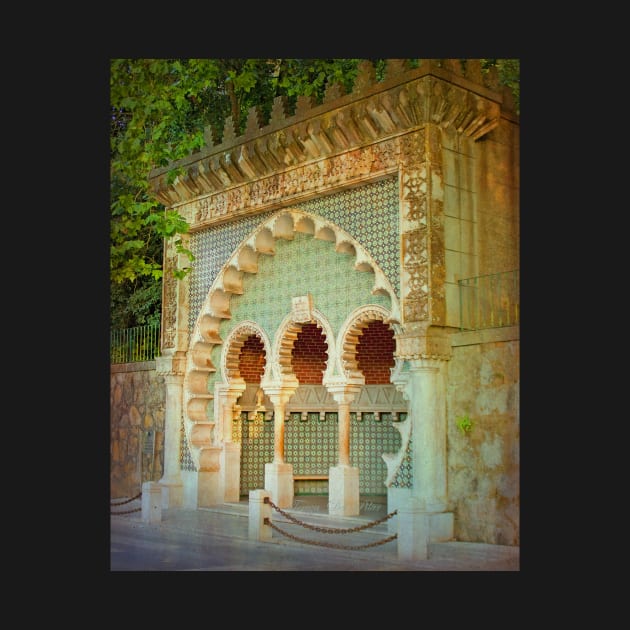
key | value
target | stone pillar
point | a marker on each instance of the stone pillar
(225, 397)
(278, 474)
(231, 472)
(258, 512)
(422, 519)
(427, 408)
(209, 487)
(343, 480)
(151, 502)
(171, 367)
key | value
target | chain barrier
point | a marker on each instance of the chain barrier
(329, 530)
(112, 504)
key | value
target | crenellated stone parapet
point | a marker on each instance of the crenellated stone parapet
(268, 163)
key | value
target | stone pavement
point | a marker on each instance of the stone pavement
(217, 539)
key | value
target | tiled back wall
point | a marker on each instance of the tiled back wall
(370, 215)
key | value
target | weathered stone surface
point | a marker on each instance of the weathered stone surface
(131, 417)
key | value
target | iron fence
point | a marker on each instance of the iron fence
(129, 345)
(490, 301)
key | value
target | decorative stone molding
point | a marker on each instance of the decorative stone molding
(171, 364)
(421, 342)
(436, 92)
(291, 185)
(169, 299)
(302, 308)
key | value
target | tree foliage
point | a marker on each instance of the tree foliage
(159, 110)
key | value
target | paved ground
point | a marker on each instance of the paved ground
(216, 539)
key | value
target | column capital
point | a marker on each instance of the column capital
(280, 392)
(427, 364)
(343, 393)
(419, 342)
(171, 364)
(231, 390)
(403, 380)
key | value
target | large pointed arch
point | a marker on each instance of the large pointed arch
(197, 399)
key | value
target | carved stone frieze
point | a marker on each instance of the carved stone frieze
(169, 300)
(374, 112)
(292, 185)
(171, 365)
(425, 343)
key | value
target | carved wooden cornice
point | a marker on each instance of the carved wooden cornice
(437, 92)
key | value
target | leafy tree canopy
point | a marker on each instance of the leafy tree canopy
(159, 110)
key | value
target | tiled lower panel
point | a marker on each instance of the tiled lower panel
(311, 445)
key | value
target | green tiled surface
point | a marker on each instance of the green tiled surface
(311, 445)
(370, 214)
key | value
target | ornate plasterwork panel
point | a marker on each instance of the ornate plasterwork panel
(169, 300)
(422, 227)
(295, 185)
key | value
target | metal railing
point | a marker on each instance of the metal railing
(490, 301)
(129, 345)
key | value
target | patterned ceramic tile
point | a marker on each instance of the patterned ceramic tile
(306, 264)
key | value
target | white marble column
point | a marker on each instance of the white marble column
(225, 397)
(343, 479)
(422, 519)
(279, 474)
(427, 408)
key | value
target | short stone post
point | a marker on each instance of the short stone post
(259, 510)
(151, 502)
(413, 532)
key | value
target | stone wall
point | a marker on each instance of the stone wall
(137, 400)
(483, 463)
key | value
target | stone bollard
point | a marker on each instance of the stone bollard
(413, 532)
(151, 502)
(258, 511)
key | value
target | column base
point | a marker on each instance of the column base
(343, 491)
(417, 528)
(172, 493)
(279, 484)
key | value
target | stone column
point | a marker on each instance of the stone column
(343, 479)
(171, 368)
(427, 408)
(423, 519)
(225, 397)
(172, 364)
(278, 474)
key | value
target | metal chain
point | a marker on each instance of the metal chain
(325, 530)
(332, 530)
(127, 501)
(329, 530)
(331, 545)
(111, 503)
